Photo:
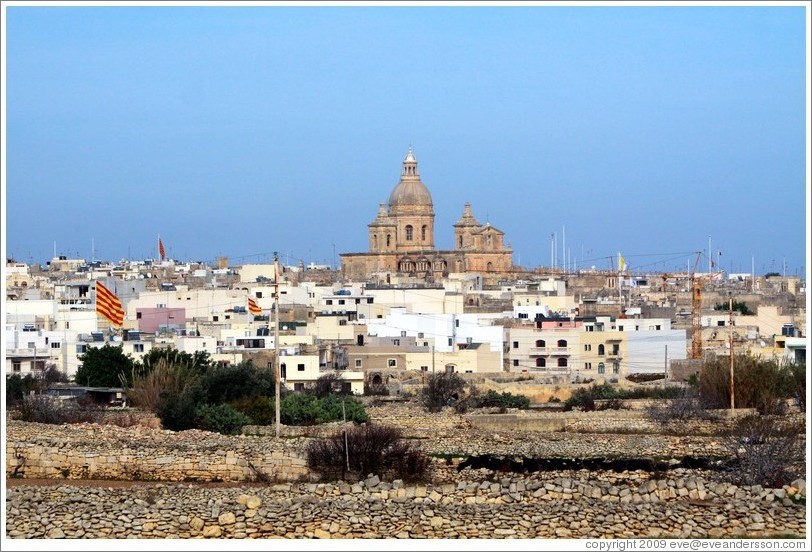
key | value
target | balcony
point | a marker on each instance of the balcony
(550, 351)
(29, 353)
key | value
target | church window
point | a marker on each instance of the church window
(490, 267)
(374, 242)
(388, 240)
(409, 232)
(460, 242)
(423, 232)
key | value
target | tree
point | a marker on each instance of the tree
(18, 387)
(331, 383)
(199, 362)
(738, 306)
(105, 367)
(441, 390)
(224, 384)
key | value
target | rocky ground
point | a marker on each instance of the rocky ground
(472, 503)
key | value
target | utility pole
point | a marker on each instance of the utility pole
(732, 396)
(277, 371)
(665, 366)
(432, 358)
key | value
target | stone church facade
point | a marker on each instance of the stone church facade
(401, 239)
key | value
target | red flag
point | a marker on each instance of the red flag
(253, 308)
(108, 305)
(161, 249)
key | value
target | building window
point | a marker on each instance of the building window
(587, 366)
(283, 370)
(56, 345)
(15, 366)
(601, 368)
(300, 367)
(601, 350)
(541, 363)
(424, 368)
(620, 328)
(562, 362)
(396, 342)
(81, 349)
(615, 367)
(515, 344)
(358, 363)
(515, 362)
(329, 301)
(562, 342)
(298, 387)
(388, 240)
(540, 343)
(138, 347)
(392, 363)
(587, 348)
(409, 232)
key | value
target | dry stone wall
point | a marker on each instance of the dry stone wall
(90, 451)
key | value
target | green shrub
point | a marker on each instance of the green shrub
(224, 384)
(332, 409)
(585, 397)
(18, 387)
(261, 410)
(763, 384)
(306, 409)
(221, 418)
(177, 408)
(503, 400)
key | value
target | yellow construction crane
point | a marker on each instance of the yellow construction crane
(696, 307)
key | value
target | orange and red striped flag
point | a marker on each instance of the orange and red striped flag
(161, 249)
(253, 308)
(108, 305)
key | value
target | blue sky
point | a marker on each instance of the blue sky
(240, 131)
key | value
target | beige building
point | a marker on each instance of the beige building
(401, 239)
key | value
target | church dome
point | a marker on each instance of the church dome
(410, 190)
(410, 193)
